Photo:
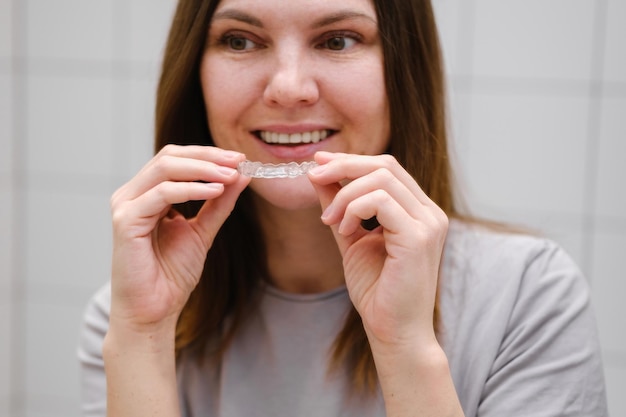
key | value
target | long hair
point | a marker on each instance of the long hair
(415, 89)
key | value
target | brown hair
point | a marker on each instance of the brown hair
(415, 89)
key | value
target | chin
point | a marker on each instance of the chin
(286, 193)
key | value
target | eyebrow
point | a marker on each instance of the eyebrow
(339, 16)
(234, 14)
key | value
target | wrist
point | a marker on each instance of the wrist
(415, 379)
(394, 360)
(124, 336)
(140, 368)
(408, 340)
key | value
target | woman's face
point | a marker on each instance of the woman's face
(284, 79)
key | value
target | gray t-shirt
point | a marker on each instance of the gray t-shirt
(517, 328)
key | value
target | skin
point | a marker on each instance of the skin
(285, 78)
(302, 68)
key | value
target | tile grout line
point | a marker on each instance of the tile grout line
(594, 115)
(537, 87)
(126, 69)
(120, 96)
(19, 101)
(465, 61)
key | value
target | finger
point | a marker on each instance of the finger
(139, 216)
(183, 163)
(214, 212)
(336, 167)
(326, 194)
(388, 212)
(203, 152)
(177, 170)
(380, 179)
(401, 231)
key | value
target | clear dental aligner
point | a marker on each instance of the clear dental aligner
(287, 170)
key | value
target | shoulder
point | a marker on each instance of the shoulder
(509, 275)
(516, 317)
(497, 286)
(491, 259)
(94, 328)
(485, 244)
(99, 305)
(95, 324)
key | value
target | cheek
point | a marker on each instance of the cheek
(215, 95)
(222, 89)
(223, 101)
(362, 90)
(368, 108)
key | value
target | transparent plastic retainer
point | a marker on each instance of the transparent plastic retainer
(286, 170)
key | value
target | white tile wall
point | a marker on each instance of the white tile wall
(51, 371)
(615, 377)
(5, 300)
(70, 125)
(142, 103)
(517, 143)
(530, 39)
(609, 287)
(6, 126)
(6, 28)
(525, 107)
(6, 205)
(70, 29)
(450, 28)
(614, 52)
(148, 18)
(68, 237)
(608, 292)
(133, 145)
(611, 191)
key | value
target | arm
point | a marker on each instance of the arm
(416, 381)
(158, 257)
(141, 371)
(93, 378)
(391, 274)
(548, 362)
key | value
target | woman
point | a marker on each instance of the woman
(233, 296)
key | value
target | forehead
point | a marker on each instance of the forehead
(296, 10)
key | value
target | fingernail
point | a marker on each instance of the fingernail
(214, 185)
(327, 213)
(231, 154)
(317, 170)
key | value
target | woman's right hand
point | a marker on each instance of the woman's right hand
(159, 255)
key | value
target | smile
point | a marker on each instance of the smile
(294, 138)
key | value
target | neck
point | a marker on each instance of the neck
(302, 255)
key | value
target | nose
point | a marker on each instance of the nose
(292, 82)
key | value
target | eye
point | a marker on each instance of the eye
(238, 43)
(339, 42)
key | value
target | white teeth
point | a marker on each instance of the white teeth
(295, 138)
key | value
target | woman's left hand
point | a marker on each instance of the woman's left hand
(391, 272)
